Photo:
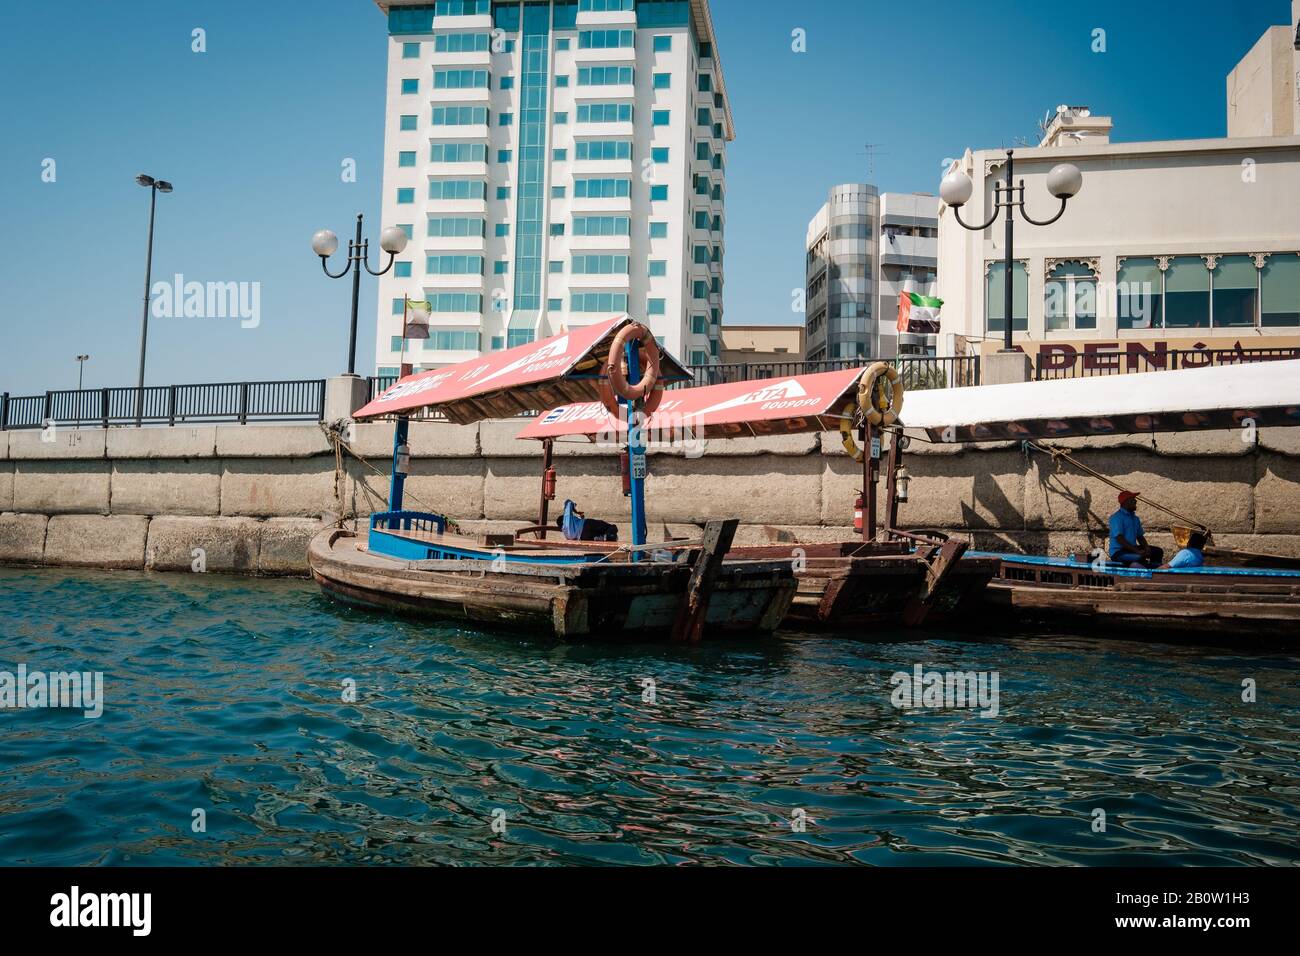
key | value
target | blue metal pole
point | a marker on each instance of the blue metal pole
(635, 453)
(401, 462)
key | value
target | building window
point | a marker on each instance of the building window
(706, 82)
(557, 228)
(700, 324)
(410, 51)
(605, 76)
(457, 153)
(408, 228)
(663, 44)
(503, 229)
(1139, 294)
(1070, 297)
(590, 149)
(507, 83)
(461, 43)
(995, 298)
(402, 270)
(505, 119)
(405, 196)
(663, 81)
(605, 113)
(561, 119)
(654, 307)
(562, 80)
(399, 306)
(604, 39)
(1235, 296)
(659, 154)
(516, 337)
(1187, 293)
(598, 302)
(562, 43)
(602, 188)
(558, 192)
(459, 116)
(600, 225)
(408, 122)
(410, 86)
(559, 155)
(460, 79)
(554, 305)
(503, 192)
(456, 189)
(1279, 283)
(599, 264)
(498, 342)
(657, 267)
(500, 267)
(406, 157)
(504, 155)
(658, 230)
(555, 266)
(453, 265)
(661, 117)
(604, 6)
(458, 226)
(658, 192)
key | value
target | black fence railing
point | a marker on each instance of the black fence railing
(1087, 364)
(242, 402)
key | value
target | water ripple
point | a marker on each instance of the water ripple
(226, 695)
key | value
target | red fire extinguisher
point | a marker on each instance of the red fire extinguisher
(858, 505)
(548, 484)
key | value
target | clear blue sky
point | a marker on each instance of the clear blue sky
(253, 131)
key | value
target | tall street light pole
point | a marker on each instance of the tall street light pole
(324, 243)
(1063, 182)
(81, 367)
(155, 186)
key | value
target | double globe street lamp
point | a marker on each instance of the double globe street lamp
(324, 243)
(1063, 181)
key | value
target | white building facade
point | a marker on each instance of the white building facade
(1172, 245)
(864, 248)
(555, 163)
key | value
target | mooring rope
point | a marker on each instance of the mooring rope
(1059, 454)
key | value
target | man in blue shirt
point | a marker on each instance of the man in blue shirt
(1128, 545)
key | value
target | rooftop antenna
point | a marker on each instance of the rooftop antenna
(872, 150)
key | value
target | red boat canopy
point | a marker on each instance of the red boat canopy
(527, 378)
(775, 406)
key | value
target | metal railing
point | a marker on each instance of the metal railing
(917, 371)
(1087, 364)
(242, 402)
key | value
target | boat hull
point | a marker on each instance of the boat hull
(1248, 603)
(598, 601)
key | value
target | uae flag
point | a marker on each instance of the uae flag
(415, 320)
(918, 313)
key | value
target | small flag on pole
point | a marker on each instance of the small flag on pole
(415, 323)
(918, 313)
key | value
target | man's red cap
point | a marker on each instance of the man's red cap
(1127, 496)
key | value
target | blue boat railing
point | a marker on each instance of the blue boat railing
(408, 521)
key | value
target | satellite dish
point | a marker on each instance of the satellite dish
(1062, 108)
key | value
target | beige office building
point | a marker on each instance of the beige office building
(1176, 244)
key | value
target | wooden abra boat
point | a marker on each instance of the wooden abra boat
(416, 563)
(1199, 601)
(886, 577)
(545, 593)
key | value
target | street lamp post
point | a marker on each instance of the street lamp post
(1063, 181)
(392, 240)
(155, 186)
(81, 367)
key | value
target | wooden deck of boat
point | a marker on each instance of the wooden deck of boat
(533, 549)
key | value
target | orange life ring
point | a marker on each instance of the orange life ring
(614, 383)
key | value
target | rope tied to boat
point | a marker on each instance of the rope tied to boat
(334, 431)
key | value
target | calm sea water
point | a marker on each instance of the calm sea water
(226, 695)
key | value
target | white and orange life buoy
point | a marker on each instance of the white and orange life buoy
(878, 404)
(614, 384)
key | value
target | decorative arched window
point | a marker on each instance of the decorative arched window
(1070, 295)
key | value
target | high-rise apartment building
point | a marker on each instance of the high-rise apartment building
(555, 163)
(863, 249)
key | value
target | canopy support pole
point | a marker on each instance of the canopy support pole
(401, 462)
(636, 462)
(544, 507)
(868, 483)
(891, 483)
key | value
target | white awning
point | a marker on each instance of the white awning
(1221, 396)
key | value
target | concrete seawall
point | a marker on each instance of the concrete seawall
(247, 498)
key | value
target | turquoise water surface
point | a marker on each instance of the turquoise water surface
(225, 695)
